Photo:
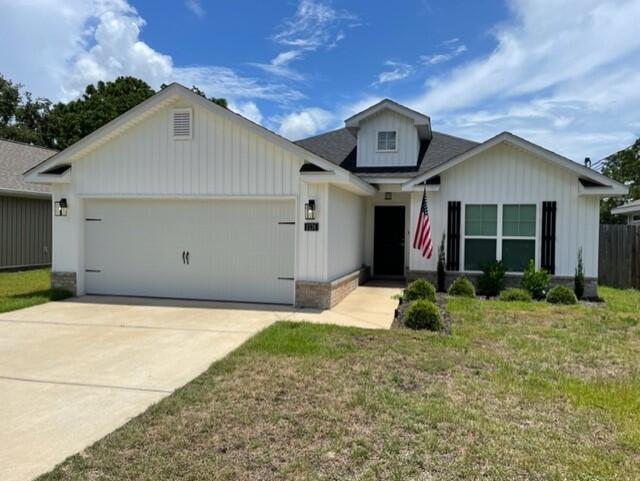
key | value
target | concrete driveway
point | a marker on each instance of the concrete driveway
(73, 371)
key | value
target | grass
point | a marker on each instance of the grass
(518, 391)
(27, 288)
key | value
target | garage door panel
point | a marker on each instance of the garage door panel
(237, 249)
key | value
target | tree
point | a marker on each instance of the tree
(99, 104)
(623, 166)
(21, 117)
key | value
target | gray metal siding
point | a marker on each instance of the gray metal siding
(25, 232)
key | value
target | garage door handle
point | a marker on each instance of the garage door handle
(187, 257)
(184, 258)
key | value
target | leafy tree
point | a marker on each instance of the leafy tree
(21, 117)
(623, 166)
(99, 104)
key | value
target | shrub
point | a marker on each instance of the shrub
(535, 281)
(441, 269)
(578, 280)
(462, 287)
(423, 314)
(491, 282)
(514, 294)
(420, 289)
(561, 295)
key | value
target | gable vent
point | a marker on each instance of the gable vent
(182, 124)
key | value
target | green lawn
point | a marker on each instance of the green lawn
(27, 288)
(517, 392)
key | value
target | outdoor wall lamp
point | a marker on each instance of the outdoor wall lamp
(310, 210)
(61, 208)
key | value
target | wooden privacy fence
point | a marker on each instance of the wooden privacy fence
(619, 256)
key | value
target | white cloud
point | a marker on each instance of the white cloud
(196, 7)
(562, 76)
(453, 50)
(315, 24)
(397, 71)
(249, 110)
(297, 125)
(280, 65)
(83, 41)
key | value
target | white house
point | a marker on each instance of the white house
(182, 198)
(630, 210)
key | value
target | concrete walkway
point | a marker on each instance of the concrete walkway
(73, 371)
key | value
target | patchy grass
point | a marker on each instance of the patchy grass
(27, 288)
(518, 391)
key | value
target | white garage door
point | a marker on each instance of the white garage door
(235, 250)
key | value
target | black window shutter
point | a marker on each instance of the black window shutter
(453, 236)
(548, 254)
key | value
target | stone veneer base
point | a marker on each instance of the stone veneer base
(64, 280)
(511, 280)
(325, 295)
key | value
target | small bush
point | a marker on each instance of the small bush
(561, 295)
(514, 294)
(423, 314)
(535, 281)
(420, 289)
(491, 282)
(462, 287)
(578, 280)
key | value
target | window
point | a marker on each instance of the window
(387, 141)
(518, 236)
(514, 242)
(480, 228)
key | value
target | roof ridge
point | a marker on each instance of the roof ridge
(28, 145)
(320, 135)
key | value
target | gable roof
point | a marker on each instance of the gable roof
(340, 147)
(613, 187)
(15, 158)
(422, 122)
(162, 99)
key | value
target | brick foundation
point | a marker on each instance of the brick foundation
(325, 295)
(511, 280)
(64, 280)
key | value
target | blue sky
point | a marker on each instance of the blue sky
(562, 73)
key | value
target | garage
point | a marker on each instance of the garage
(230, 250)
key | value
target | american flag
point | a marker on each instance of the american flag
(422, 239)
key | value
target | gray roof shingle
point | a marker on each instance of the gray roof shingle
(15, 159)
(339, 147)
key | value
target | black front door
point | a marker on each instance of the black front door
(388, 241)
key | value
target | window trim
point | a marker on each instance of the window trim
(386, 151)
(499, 228)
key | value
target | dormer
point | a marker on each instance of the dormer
(389, 135)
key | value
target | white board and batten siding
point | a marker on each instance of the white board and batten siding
(222, 158)
(508, 175)
(407, 141)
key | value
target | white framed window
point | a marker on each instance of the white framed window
(387, 141)
(182, 124)
(504, 232)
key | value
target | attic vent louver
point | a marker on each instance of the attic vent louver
(182, 124)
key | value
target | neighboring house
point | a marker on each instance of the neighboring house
(630, 210)
(25, 209)
(182, 198)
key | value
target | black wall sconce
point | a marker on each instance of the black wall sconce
(61, 208)
(310, 210)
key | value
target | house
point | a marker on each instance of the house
(182, 198)
(630, 210)
(25, 209)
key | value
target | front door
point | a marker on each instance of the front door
(388, 241)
